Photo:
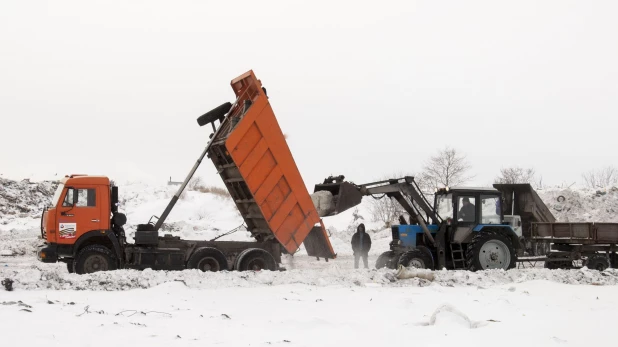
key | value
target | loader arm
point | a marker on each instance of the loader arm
(404, 190)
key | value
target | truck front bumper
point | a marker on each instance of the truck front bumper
(48, 253)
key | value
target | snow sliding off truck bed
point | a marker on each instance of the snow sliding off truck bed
(253, 159)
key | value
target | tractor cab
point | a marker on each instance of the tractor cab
(469, 206)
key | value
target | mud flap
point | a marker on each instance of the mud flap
(318, 244)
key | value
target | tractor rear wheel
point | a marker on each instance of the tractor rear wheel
(94, 258)
(255, 259)
(387, 259)
(490, 250)
(208, 259)
(419, 258)
(597, 262)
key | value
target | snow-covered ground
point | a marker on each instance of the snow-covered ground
(529, 313)
(312, 303)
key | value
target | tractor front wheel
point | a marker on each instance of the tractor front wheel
(387, 259)
(419, 258)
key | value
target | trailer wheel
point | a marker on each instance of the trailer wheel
(490, 250)
(255, 259)
(207, 259)
(387, 259)
(94, 258)
(560, 264)
(597, 262)
(419, 258)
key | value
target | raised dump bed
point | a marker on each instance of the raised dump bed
(522, 200)
(252, 157)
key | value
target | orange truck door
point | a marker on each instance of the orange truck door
(85, 215)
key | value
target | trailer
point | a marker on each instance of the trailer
(84, 228)
(590, 244)
(557, 245)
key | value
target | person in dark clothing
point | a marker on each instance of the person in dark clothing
(467, 211)
(361, 244)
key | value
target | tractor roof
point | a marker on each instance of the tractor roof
(469, 190)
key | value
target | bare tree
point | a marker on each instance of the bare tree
(447, 168)
(516, 174)
(385, 209)
(601, 178)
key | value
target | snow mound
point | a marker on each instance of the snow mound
(448, 317)
(582, 205)
(24, 199)
(57, 278)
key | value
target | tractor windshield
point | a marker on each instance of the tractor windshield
(54, 200)
(444, 206)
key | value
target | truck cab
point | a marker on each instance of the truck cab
(82, 212)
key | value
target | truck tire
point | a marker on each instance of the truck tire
(597, 262)
(387, 259)
(208, 259)
(419, 258)
(94, 258)
(490, 250)
(255, 259)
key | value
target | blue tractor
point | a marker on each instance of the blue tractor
(464, 228)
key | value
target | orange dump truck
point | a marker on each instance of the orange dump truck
(84, 228)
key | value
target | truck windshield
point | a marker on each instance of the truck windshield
(444, 206)
(56, 197)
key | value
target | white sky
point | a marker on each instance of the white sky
(361, 88)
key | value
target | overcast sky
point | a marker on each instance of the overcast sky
(363, 89)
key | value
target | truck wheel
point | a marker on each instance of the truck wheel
(255, 259)
(387, 259)
(490, 250)
(597, 262)
(419, 258)
(207, 259)
(94, 258)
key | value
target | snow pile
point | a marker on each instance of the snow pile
(197, 215)
(24, 199)
(582, 205)
(324, 202)
(57, 278)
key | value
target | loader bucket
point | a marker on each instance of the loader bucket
(345, 196)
